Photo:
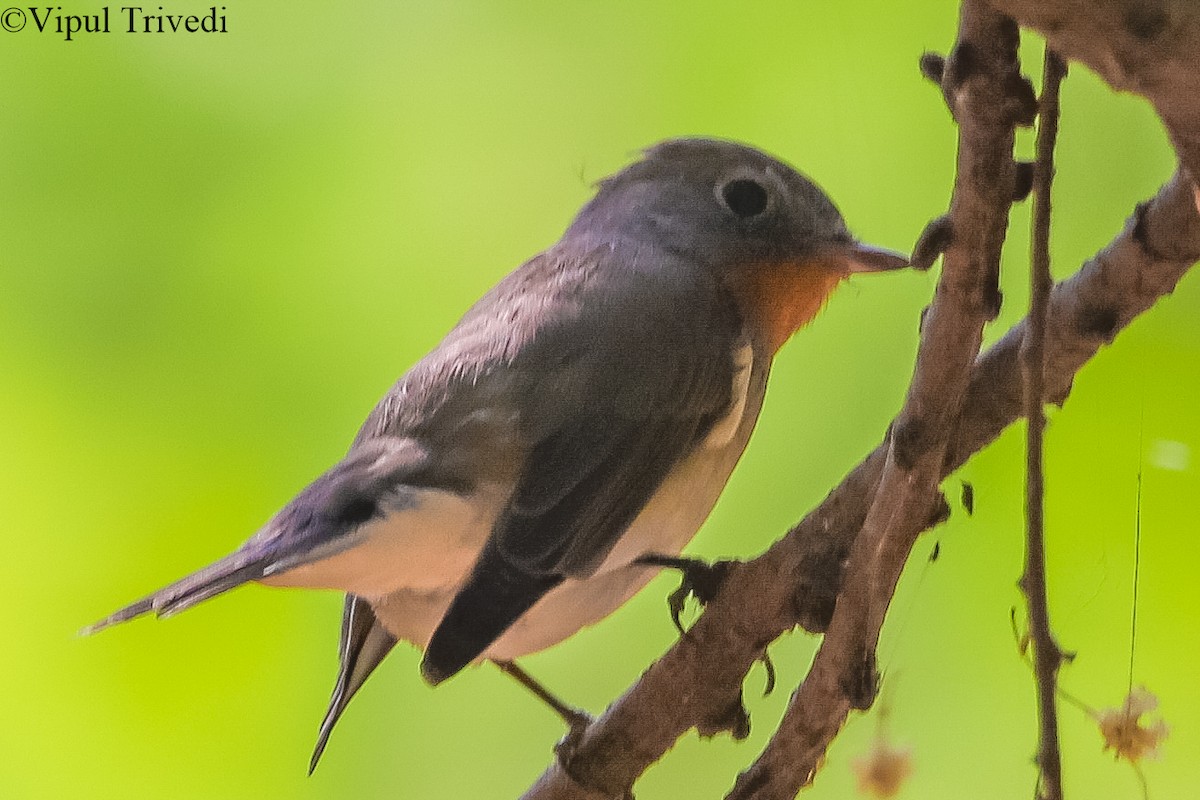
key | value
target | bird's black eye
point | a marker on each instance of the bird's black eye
(744, 197)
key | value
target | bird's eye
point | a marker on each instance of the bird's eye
(744, 197)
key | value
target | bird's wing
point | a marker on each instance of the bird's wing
(624, 390)
(319, 522)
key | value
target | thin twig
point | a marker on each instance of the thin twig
(1137, 553)
(1047, 657)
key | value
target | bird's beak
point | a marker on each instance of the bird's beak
(853, 257)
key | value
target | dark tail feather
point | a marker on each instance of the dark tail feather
(228, 573)
(364, 644)
(495, 595)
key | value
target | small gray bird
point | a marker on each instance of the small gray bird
(584, 414)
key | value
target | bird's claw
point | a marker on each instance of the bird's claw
(700, 579)
(567, 747)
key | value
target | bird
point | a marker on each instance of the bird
(573, 430)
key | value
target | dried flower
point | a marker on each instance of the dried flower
(1124, 732)
(883, 770)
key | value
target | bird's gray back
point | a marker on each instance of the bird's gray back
(584, 327)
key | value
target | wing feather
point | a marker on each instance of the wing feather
(620, 390)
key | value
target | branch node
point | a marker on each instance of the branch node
(933, 241)
(1023, 100)
(1098, 322)
(1059, 398)
(910, 440)
(816, 590)
(565, 752)
(993, 300)
(1145, 21)
(907, 443)
(1139, 233)
(962, 63)
(1022, 181)
(940, 512)
(933, 66)
(860, 685)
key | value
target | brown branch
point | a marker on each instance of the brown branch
(988, 97)
(1142, 46)
(1047, 657)
(798, 577)
(697, 683)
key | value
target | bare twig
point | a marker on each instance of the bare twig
(1047, 657)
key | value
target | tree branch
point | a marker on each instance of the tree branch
(697, 683)
(989, 98)
(1144, 46)
(798, 577)
(1047, 657)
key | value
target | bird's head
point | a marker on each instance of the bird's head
(761, 228)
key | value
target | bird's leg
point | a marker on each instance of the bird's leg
(575, 718)
(701, 580)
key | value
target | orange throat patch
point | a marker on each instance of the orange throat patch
(780, 298)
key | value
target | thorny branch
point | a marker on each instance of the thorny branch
(1047, 657)
(697, 683)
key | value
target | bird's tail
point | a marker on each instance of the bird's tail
(364, 645)
(230, 572)
(313, 526)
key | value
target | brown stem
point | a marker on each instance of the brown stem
(1047, 655)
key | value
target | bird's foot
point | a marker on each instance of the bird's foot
(701, 580)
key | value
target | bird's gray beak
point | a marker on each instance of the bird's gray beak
(855, 257)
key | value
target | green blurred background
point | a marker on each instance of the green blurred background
(217, 252)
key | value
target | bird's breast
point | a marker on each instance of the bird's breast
(779, 298)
